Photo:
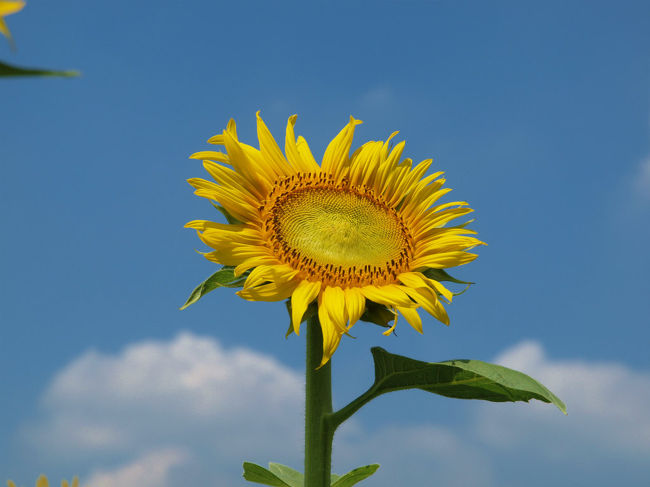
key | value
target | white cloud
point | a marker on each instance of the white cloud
(211, 408)
(607, 404)
(229, 404)
(150, 470)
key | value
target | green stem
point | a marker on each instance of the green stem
(318, 405)
(339, 417)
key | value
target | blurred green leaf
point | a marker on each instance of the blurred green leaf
(10, 70)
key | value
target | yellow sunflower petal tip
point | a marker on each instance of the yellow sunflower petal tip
(42, 481)
(357, 223)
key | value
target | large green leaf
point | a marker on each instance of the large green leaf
(355, 476)
(10, 70)
(462, 379)
(260, 475)
(224, 277)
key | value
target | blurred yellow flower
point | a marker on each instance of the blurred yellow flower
(42, 482)
(8, 7)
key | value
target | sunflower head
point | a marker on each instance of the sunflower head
(355, 232)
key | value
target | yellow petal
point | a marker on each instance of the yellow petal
(331, 336)
(8, 8)
(444, 260)
(413, 317)
(273, 291)
(390, 295)
(355, 304)
(305, 153)
(392, 328)
(333, 301)
(418, 280)
(255, 261)
(42, 481)
(293, 154)
(338, 150)
(426, 298)
(270, 150)
(301, 298)
(242, 164)
(227, 177)
(210, 156)
(265, 272)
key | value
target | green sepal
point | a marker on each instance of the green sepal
(260, 475)
(354, 476)
(10, 70)
(461, 379)
(441, 275)
(231, 219)
(224, 277)
(378, 314)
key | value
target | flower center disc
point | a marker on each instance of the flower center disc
(340, 228)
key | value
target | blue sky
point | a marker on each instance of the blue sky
(538, 114)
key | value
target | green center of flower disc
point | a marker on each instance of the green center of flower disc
(339, 228)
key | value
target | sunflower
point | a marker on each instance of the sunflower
(355, 231)
(8, 7)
